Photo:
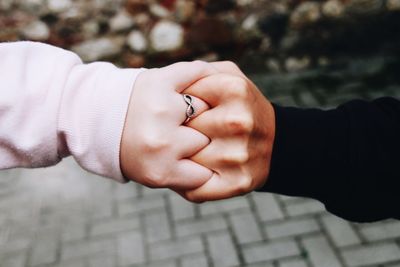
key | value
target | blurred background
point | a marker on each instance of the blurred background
(299, 52)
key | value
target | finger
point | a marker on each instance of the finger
(209, 123)
(219, 88)
(223, 152)
(199, 107)
(230, 119)
(189, 175)
(220, 187)
(189, 142)
(228, 67)
(184, 74)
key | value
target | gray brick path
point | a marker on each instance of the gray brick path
(65, 217)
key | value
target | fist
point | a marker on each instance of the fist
(241, 126)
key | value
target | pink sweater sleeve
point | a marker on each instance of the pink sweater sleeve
(52, 106)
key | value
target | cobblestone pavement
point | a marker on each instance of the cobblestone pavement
(65, 217)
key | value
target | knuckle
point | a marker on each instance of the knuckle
(242, 157)
(238, 88)
(153, 144)
(202, 68)
(239, 124)
(230, 65)
(245, 184)
(235, 158)
(201, 65)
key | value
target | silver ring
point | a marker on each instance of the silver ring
(190, 111)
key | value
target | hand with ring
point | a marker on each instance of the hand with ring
(156, 146)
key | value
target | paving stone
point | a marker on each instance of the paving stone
(181, 209)
(387, 230)
(75, 250)
(222, 250)
(45, 250)
(157, 227)
(16, 245)
(140, 205)
(270, 251)
(222, 206)
(150, 192)
(3, 235)
(195, 261)
(101, 210)
(101, 191)
(291, 227)
(245, 227)
(163, 264)
(372, 254)
(73, 232)
(200, 226)
(114, 225)
(288, 199)
(100, 260)
(15, 260)
(90, 226)
(21, 213)
(320, 253)
(131, 248)
(296, 262)
(340, 231)
(73, 263)
(3, 216)
(125, 191)
(267, 207)
(176, 248)
(260, 265)
(305, 207)
(74, 214)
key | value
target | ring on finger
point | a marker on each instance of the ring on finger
(190, 110)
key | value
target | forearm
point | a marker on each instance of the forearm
(347, 157)
(52, 105)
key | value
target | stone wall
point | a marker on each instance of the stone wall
(280, 36)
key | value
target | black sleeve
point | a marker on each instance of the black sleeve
(348, 158)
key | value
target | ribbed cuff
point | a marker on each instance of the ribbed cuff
(92, 116)
(116, 90)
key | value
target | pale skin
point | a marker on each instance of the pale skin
(155, 145)
(225, 151)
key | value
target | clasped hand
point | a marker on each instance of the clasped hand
(224, 151)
